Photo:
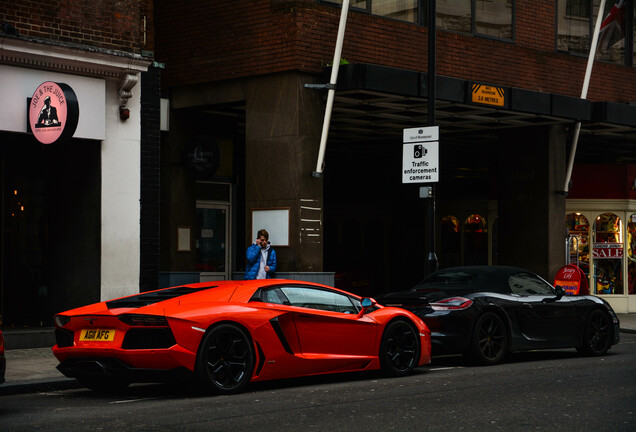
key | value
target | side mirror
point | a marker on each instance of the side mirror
(558, 291)
(366, 303)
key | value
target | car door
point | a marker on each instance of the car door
(327, 323)
(544, 321)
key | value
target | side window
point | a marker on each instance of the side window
(526, 284)
(319, 299)
(274, 296)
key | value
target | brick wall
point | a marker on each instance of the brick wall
(107, 24)
(204, 41)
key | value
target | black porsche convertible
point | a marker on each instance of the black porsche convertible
(485, 312)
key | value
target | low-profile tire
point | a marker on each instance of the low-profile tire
(225, 360)
(104, 384)
(489, 341)
(597, 334)
(399, 349)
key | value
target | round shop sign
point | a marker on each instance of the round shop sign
(53, 112)
(572, 279)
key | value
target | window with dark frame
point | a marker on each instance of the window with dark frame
(491, 18)
(575, 27)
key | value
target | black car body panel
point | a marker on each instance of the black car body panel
(534, 314)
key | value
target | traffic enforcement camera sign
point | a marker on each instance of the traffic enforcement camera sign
(420, 155)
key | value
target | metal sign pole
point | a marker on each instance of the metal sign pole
(432, 263)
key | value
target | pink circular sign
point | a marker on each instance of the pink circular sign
(53, 112)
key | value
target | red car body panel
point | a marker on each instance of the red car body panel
(305, 342)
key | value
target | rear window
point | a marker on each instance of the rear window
(146, 299)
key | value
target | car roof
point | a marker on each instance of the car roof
(217, 291)
(473, 278)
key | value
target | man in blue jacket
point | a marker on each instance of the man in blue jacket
(261, 258)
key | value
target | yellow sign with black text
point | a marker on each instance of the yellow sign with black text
(488, 95)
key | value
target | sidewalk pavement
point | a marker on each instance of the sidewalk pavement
(34, 369)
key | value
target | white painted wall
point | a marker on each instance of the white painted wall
(121, 162)
(17, 84)
(120, 154)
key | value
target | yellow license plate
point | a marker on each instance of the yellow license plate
(98, 335)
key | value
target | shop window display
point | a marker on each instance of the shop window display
(631, 255)
(450, 242)
(475, 241)
(607, 251)
(495, 242)
(578, 241)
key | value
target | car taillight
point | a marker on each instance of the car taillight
(144, 320)
(453, 303)
(1, 344)
(61, 320)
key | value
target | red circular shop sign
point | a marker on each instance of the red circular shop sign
(53, 112)
(572, 279)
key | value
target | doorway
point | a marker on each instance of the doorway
(212, 241)
(50, 238)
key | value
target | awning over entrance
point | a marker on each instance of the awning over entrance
(377, 102)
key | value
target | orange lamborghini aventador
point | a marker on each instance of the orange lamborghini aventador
(223, 335)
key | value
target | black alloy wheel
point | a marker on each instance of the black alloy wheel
(597, 334)
(489, 342)
(225, 360)
(399, 349)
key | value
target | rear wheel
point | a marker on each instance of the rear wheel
(225, 360)
(489, 341)
(597, 334)
(399, 349)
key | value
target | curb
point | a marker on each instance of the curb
(38, 385)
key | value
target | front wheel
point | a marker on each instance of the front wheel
(225, 360)
(597, 334)
(399, 349)
(489, 341)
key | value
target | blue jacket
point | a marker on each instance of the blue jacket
(253, 256)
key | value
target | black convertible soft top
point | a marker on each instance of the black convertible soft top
(456, 281)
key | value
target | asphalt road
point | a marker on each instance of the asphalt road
(539, 391)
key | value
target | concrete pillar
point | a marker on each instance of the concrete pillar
(531, 209)
(283, 124)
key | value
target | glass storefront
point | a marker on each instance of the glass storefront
(607, 252)
(475, 240)
(604, 250)
(578, 241)
(631, 254)
(463, 243)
